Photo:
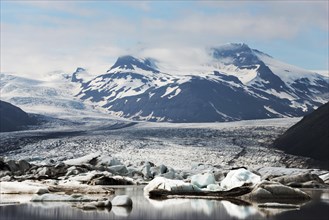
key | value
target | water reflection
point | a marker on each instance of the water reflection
(325, 197)
(168, 203)
(145, 208)
(240, 212)
(121, 211)
(268, 212)
(206, 206)
(202, 205)
(199, 205)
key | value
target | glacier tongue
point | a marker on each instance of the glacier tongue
(54, 97)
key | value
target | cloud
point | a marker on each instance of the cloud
(179, 58)
(70, 7)
(32, 50)
(92, 37)
(300, 13)
(144, 6)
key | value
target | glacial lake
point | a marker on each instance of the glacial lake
(144, 208)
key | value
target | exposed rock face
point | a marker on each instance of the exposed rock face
(13, 118)
(24, 165)
(17, 167)
(13, 166)
(309, 137)
(267, 191)
(139, 89)
(306, 180)
(3, 166)
(106, 180)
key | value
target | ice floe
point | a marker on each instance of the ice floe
(203, 180)
(170, 185)
(238, 178)
(22, 188)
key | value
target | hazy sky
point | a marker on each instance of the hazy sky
(44, 36)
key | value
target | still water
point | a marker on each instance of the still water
(144, 208)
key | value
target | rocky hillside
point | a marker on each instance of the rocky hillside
(309, 137)
(13, 118)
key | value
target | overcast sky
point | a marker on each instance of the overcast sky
(42, 36)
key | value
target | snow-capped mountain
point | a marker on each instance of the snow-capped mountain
(238, 83)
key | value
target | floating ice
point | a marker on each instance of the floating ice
(203, 180)
(170, 185)
(21, 188)
(238, 178)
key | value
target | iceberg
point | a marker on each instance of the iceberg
(170, 185)
(82, 160)
(22, 188)
(203, 180)
(238, 178)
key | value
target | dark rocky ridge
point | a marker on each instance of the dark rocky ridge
(309, 137)
(13, 118)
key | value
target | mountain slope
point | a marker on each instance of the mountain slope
(309, 137)
(53, 97)
(238, 83)
(13, 118)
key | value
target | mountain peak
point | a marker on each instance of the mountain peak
(233, 47)
(239, 54)
(129, 62)
(75, 76)
(80, 69)
(236, 46)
